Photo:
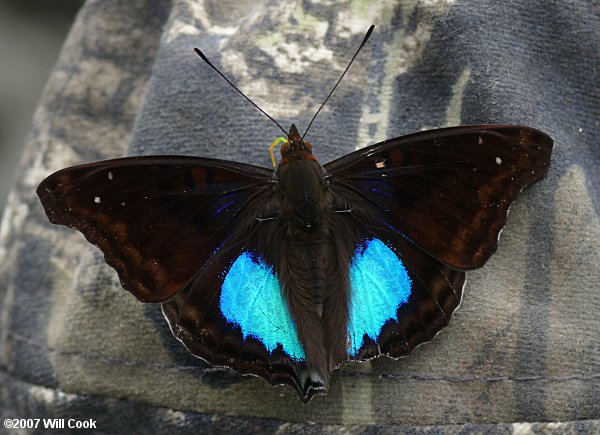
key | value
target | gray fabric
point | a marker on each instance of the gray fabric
(523, 346)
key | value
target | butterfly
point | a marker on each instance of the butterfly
(286, 274)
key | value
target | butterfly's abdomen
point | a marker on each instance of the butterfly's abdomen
(313, 267)
(316, 290)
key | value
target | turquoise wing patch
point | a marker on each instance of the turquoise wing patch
(379, 284)
(251, 299)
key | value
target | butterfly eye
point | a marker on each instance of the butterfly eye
(308, 145)
(284, 148)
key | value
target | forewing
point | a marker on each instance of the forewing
(158, 220)
(447, 191)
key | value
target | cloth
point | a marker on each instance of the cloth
(521, 353)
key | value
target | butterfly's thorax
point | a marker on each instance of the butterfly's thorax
(302, 189)
(303, 227)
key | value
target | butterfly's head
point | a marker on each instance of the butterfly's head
(295, 148)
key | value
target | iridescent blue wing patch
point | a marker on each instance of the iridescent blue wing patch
(251, 299)
(379, 285)
(400, 296)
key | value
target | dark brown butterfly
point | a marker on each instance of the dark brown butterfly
(287, 274)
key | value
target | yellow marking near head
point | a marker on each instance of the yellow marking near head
(272, 148)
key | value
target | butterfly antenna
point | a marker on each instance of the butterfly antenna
(365, 39)
(205, 59)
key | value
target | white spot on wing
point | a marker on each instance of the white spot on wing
(110, 175)
(498, 160)
(97, 200)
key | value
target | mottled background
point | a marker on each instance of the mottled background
(31, 35)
